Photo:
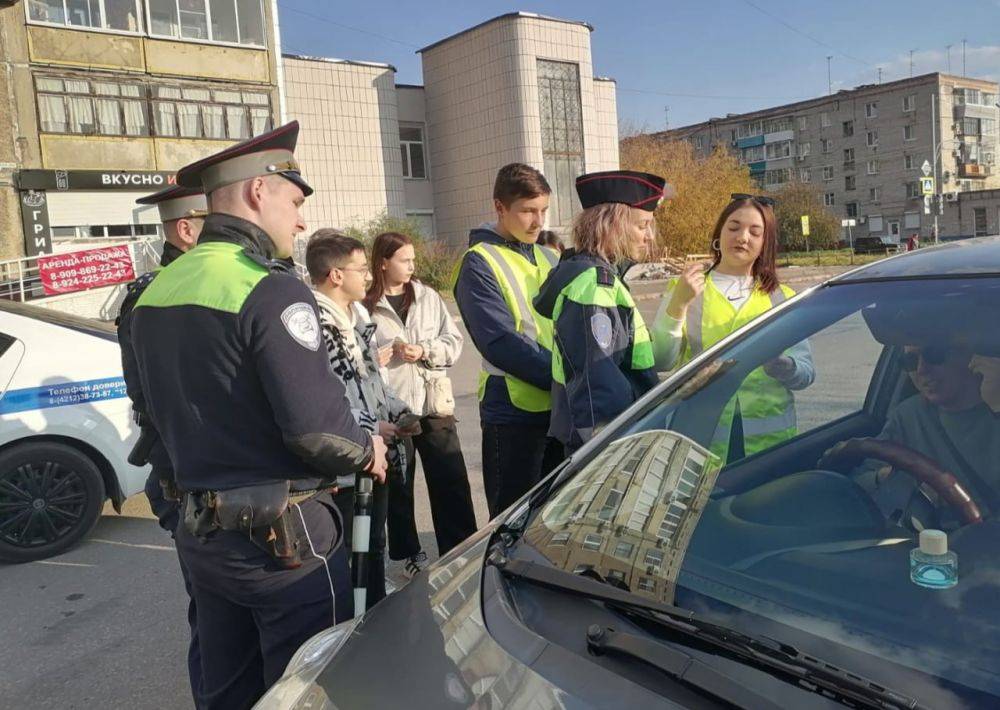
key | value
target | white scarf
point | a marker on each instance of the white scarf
(333, 315)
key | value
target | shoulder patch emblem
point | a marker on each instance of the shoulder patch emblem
(301, 323)
(600, 326)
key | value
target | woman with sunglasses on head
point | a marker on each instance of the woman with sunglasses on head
(702, 307)
(602, 358)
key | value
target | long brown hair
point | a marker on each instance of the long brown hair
(764, 268)
(387, 244)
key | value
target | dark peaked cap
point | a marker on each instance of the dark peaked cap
(271, 153)
(176, 202)
(641, 190)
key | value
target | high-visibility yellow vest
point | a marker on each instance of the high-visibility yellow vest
(766, 406)
(519, 281)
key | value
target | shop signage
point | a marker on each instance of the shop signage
(35, 221)
(95, 180)
(82, 270)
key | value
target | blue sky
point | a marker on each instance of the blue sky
(701, 59)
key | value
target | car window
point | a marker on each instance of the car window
(808, 539)
(11, 354)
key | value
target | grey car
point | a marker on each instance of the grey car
(664, 565)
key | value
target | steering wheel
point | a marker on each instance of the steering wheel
(848, 454)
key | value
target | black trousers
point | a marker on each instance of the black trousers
(344, 499)
(515, 458)
(447, 487)
(166, 512)
(252, 615)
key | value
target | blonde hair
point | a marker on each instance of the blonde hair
(603, 230)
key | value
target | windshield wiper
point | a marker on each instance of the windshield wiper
(778, 659)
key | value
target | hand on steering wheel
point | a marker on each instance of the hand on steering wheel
(851, 452)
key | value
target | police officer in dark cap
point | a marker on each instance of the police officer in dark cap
(237, 383)
(602, 355)
(182, 212)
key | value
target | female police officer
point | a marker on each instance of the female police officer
(602, 358)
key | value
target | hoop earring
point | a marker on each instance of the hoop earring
(716, 245)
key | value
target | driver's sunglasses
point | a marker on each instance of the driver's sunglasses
(931, 355)
(762, 199)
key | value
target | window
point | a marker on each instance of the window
(908, 162)
(875, 224)
(824, 120)
(103, 108)
(908, 133)
(119, 15)
(804, 149)
(623, 550)
(828, 199)
(848, 129)
(913, 189)
(911, 220)
(777, 177)
(753, 154)
(873, 195)
(872, 167)
(776, 151)
(827, 172)
(804, 175)
(803, 123)
(592, 541)
(196, 112)
(909, 103)
(851, 210)
(873, 139)
(848, 158)
(561, 119)
(871, 110)
(411, 147)
(778, 124)
(850, 182)
(646, 584)
(559, 539)
(979, 219)
(234, 21)
(746, 130)
(653, 558)
(826, 145)
(610, 507)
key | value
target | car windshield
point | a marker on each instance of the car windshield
(781, 486)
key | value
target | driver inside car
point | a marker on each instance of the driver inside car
(949, 421)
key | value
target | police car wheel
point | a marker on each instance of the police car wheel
(51, 496)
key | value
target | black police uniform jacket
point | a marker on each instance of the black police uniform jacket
(233, 369)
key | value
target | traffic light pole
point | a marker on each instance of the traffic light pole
(937, 189)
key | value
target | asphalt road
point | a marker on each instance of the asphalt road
(104, 625)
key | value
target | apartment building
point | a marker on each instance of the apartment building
(864, 150)
(105, 99)
(519, 87)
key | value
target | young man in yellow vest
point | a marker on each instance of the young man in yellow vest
(497, 281)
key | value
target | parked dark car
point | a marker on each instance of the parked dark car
(874, 245)
(650, 571)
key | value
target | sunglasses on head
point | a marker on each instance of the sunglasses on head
(761, 199)
(931, 355)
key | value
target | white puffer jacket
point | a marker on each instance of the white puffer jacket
(429, 325)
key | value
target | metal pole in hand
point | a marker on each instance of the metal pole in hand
(361, 539)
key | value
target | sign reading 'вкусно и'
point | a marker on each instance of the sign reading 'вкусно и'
(82, 270)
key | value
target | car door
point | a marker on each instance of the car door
(11, 355)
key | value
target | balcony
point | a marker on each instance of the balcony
(973, 170)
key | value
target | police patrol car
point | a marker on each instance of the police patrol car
(65, 430)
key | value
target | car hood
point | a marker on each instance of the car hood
(426, 646)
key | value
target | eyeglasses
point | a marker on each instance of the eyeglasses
(762, 199)
(360, 269)
(931, 355)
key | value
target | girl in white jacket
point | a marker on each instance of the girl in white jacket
(419, 342)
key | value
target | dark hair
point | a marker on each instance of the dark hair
(518, 181)
(387, 244)
(548, 238)
(326, 249)
(764, 270)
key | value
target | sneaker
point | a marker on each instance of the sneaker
(415, 564)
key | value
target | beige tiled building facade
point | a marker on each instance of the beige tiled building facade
(519, 87)
(106, 99)
(864, 148)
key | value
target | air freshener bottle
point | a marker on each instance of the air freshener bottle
(931, 564)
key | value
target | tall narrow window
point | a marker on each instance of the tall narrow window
(411, 146)
(562, 135)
